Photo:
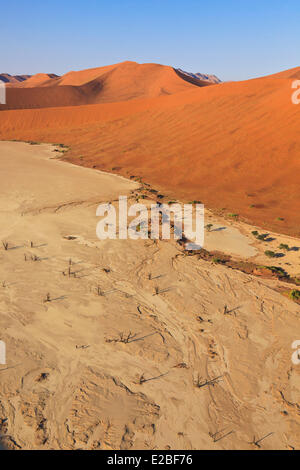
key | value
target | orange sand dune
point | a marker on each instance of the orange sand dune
(145, 77)
(120, 82)
(37, 80)
(235, 146)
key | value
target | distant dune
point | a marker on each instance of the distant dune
(235, 146)
(37, 80)
(120, 82)
(201, 76)
(13, 79)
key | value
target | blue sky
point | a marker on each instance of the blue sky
(234, 39)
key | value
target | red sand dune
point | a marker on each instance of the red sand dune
(235, 146)
(120, 82)
(37, 80)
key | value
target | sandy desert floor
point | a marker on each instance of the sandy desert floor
(139, 346)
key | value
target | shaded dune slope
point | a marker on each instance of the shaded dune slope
(234, 146)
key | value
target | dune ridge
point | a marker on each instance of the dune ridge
(202, 76)
(114, 83)
(37, 80)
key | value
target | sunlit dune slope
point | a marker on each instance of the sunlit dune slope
(120, 82)
(234, 146)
